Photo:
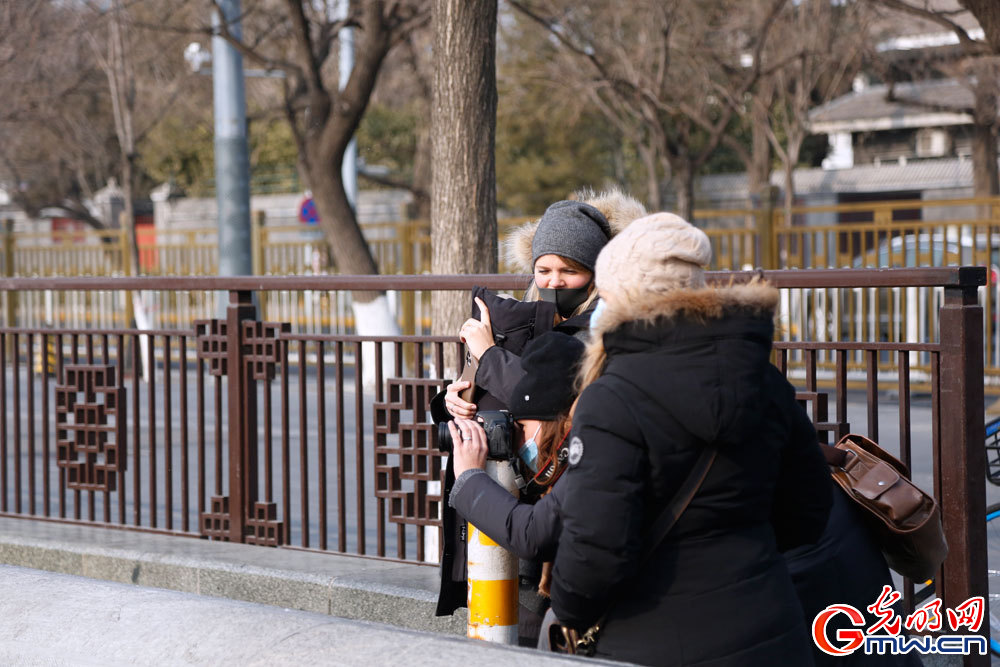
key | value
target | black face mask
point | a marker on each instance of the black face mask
(567, 299)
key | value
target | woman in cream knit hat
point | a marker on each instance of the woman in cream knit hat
(675, 366)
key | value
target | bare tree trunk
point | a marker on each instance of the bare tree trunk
(351, 255)
(128, 194)
(329, 128)
(789, 182)
(339, 224)
(648, 158)
(463, 126)
(795, 140)
(118, 68)
(985, 127)
(684, 187)
(761, 153)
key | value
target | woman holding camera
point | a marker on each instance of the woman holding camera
(540, 406)
(675, 368)
(529, 526)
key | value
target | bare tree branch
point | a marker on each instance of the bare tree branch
(252, 54)
(303, 44)
(389, 181)
(587, 54)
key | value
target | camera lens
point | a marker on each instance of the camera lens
(444, 437)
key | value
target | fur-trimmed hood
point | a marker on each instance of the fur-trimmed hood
(619, 208)
(756, 298)
(699, 354)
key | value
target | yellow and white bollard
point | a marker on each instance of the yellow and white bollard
(492, 576)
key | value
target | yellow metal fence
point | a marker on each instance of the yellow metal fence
(894, 233)
(872, 234)
(399, 248)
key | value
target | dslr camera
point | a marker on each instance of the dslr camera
(499, 427)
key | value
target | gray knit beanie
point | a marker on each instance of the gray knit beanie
(571, 229)
(653, 255)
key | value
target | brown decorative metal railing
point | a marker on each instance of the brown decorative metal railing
(250, 431)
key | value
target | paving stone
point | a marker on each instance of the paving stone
(58, 619)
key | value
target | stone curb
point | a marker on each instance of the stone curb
(58, 619)
(351, 587)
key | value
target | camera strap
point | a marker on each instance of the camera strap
(547, 475)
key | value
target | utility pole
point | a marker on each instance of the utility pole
(492, 574)
(232, 164)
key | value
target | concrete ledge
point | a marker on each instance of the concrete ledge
(349, 587)
(57, 619)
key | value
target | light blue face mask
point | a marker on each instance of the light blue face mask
(529, 451)
(595, 315)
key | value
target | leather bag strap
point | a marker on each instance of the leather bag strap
(669, 516)
(834, 456)
(673, 511)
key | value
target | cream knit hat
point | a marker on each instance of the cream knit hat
(657, 253)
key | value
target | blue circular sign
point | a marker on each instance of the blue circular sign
(307, 212)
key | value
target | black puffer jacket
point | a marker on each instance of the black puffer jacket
(500, 368)
(514, 324)
(687, 372)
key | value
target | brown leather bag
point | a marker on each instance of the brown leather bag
(905, 521)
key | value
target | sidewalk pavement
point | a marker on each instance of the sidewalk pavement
(382, 591)
(58, 619)
(379, 591)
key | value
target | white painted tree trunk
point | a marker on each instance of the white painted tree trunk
(144, 322)
(375, 318)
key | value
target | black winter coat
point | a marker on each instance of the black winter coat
(514, 324)
(690, 371)
(845, 566)
(500, 368)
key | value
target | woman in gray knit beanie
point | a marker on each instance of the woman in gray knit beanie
(560, 250)
(563, 252)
